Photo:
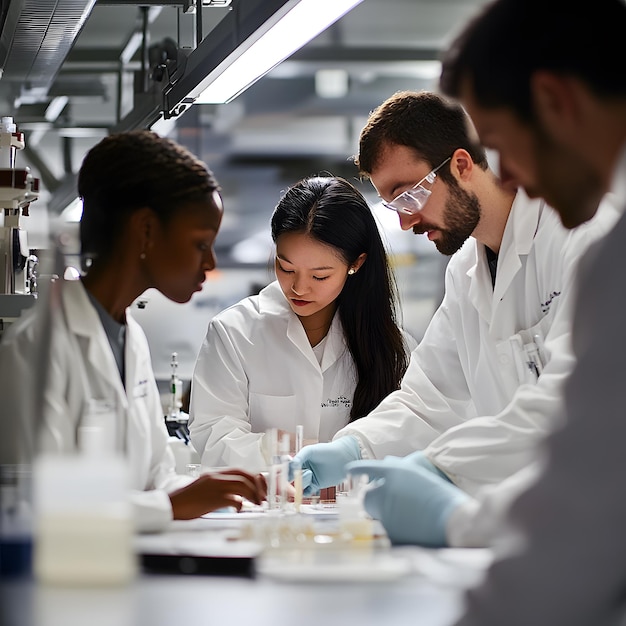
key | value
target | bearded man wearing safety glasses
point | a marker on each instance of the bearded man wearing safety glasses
(485, 381)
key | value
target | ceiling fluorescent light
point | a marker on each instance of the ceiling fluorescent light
(55, 108)
(132, 45)
(73, 211)
(331, 83)
(163, 126)
(290, 28)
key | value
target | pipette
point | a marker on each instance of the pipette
(297, 470)
(285, 458)
(272, 447)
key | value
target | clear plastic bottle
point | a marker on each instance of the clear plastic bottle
(83, 523)
(355, 524)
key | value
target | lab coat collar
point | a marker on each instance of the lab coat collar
(83, 321)
(335, 341)
(272, 301)
(523, 223)
(517, 240)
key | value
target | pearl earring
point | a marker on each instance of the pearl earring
(351, 271)
(142, 256)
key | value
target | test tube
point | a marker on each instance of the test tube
(272, 449)
(297, 470)
(284, 470)
(297, 485)
(299, 437)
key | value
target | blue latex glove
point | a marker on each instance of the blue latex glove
(416, 459)
(412, 502)
(323, 464)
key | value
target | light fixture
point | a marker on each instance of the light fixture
(331, 83)
(55, 108)
(72, 212)
(164, 127)
(293, 25)
(132, 45)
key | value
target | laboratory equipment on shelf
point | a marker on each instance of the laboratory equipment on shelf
(18, 188)
(175, 419)
(176, 389)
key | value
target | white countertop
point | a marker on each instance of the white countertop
(324, 585)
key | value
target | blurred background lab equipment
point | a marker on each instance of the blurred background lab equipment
(176, 419)
(18, 188)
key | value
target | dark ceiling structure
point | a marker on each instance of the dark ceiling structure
(76, 70)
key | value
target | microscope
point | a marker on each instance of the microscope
(18, 188)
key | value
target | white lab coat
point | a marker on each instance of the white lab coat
(570, 565)
(82, 368)
(482, 521)
(257, 370)
(468, 398)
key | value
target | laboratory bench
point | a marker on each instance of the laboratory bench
(273, 585)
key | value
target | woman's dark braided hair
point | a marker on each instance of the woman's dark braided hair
(130, 170)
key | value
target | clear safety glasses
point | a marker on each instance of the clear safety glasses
(413, 200)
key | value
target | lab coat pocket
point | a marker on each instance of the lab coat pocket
(537, 335)
(273, 412)
(528, 353)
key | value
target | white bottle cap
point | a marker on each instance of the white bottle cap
(7, 125)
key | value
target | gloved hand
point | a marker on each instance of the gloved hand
(323, 464)
(412, 503)
(413, 460)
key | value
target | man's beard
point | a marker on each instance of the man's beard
(461, 216)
